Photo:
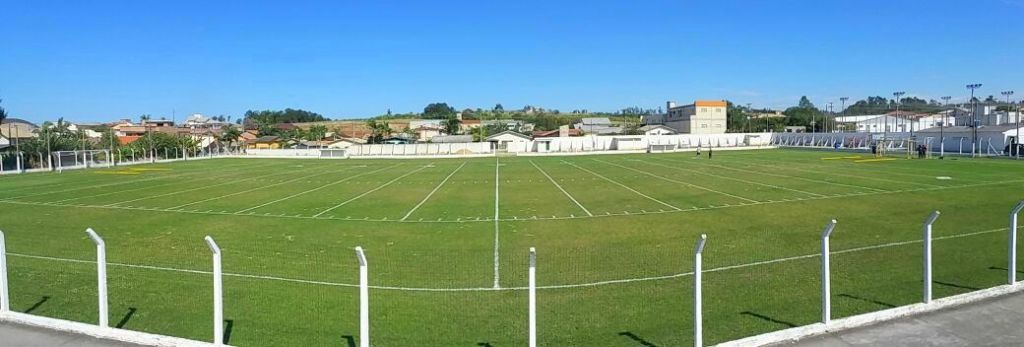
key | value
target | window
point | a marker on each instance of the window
(703, 109)
(703, 125)
(719, 125)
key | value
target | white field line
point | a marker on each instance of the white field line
(149, 186)
(731, 178)
(497, 218)
(624, 186)
(185, 190)
(101, 185)
(346, 179)
(257, 188)
(488, 219)
(483, 289)
(439, 185)
(683, 183)
(781, 175)
(840, 174)
(562, 189)
(368, 192)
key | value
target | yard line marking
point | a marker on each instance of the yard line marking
(346, 179)
(432, 192)
(824, 169)
(257, 188)
(482, 289)
(149, 187)
(194, 189)
(781, 175)
(101, 186)
(560, 188)
(730, 178)
(683, 183)
(368, 192)
(624, 186)
(497, 185)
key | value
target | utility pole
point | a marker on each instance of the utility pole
(942, 126)
(830, 127)
(748, 117)
(974, 120)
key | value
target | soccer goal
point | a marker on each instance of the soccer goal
(82, 159)
(332, 153)
(660, 148)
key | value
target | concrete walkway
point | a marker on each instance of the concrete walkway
(16, 335)
(995, 322)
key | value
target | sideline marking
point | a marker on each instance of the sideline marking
(784, 176)
(431, 192)
(623, 186)
(563, 190)
(482, 289)
(315, 189)
(254, 189)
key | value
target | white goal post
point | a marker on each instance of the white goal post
(82, 159)
(333, 153)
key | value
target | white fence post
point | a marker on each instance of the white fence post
(364, 300)
(533, 297)
(928, 256)
(101, 275)
(1012, 265)
(826, 281)
(698, 315)
(5, 297)
(218, 294)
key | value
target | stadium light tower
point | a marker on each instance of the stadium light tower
(897, 95)
(942, 126)
(831, 113)
(974, 119)
(842, 105)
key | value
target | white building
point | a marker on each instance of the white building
(657, 130)
(700, 117)
(991, 139)
(508, 141)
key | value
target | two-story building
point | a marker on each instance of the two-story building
(700, 117)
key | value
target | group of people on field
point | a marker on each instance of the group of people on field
(698, 152)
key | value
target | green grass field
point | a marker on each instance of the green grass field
(614, 236)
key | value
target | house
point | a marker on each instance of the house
(563, 131)
(431, 123)
(700, 117)
(502, 140)
(397, 140)
(198, 120)
(265, 142)
(158, 123)
(657, 129)
(14, 130)
(346, 143)
(597, 125)
(507, 124)
(426, 133)
(285, 127)
(466, 125)
(796, 129)
(4, 142)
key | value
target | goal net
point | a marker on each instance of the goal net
(81, 159)
(332, 153)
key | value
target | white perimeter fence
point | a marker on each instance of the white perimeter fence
(24, 162)
(952, 144)
(534, 265)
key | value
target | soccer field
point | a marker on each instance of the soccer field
(447, 243)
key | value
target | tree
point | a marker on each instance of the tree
(438, 110)
(378, 130)
(316, 132)
(805, 102)
(3, 113)
(229, 134)
(498, 108)
(286, 116)
(145, 117)
(451, 125)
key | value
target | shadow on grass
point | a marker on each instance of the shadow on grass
(350, 340)
(37, 304)
(767, 318)
(638, 339)
(955, 285)
(873, 301)
(229, 325)
(1003, 269)
(121, 324)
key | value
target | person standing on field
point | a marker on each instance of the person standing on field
(698, 152)
(709, 152)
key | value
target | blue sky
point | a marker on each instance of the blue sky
(343, 59)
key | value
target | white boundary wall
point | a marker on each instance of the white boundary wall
(96, 331)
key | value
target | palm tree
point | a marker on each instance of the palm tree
(229, 134)
(3, 113)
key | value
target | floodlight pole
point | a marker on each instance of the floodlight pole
(698, 315)
(533, 297)
(826, 282)
(101, 275)
(1012, 265)
(5, 297)
(218, 293)
(928, 256)
(364, 299)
